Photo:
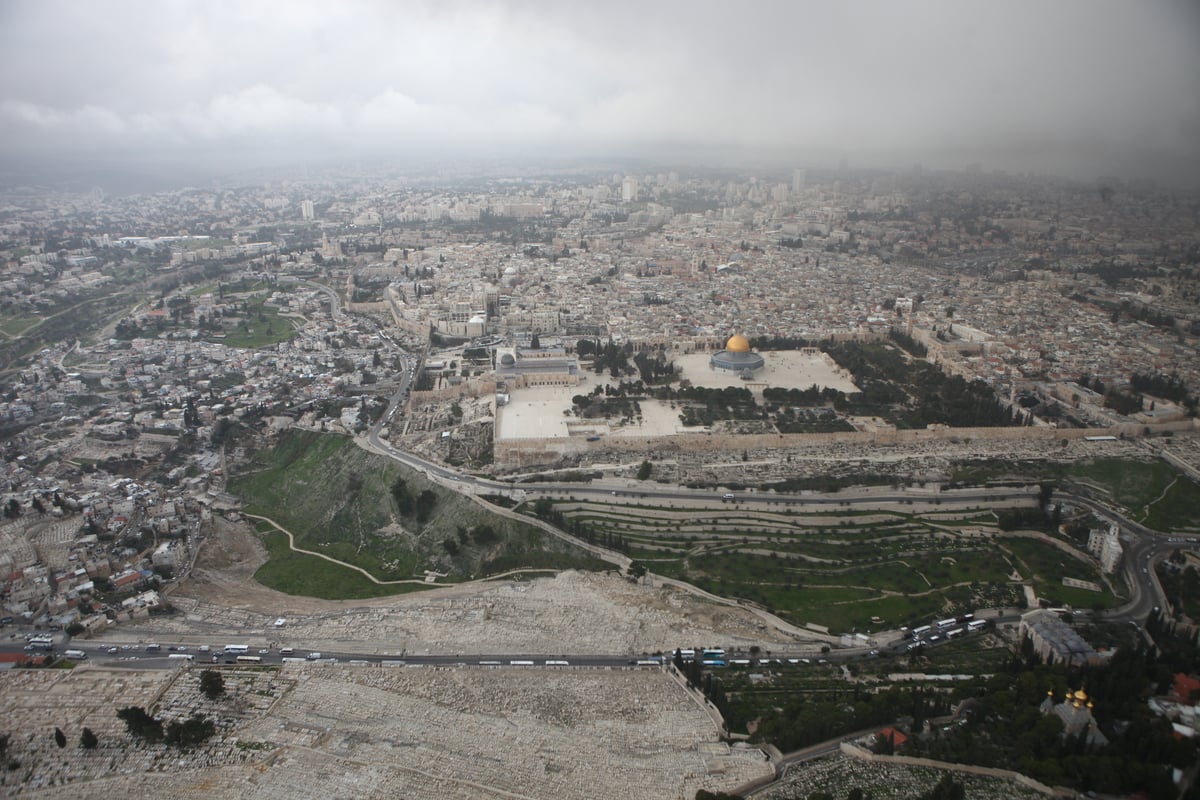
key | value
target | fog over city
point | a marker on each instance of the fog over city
(1073, 88)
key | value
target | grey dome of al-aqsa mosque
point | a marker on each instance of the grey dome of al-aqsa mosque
(737, 357)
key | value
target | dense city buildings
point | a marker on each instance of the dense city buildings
(708, 329)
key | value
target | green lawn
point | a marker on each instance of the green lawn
(853, 570)
(1138, 486)
(14, 324)
(300, 574)
(341, 501)
(261, 327)
(1046, 565)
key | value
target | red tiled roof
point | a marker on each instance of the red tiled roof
(1184, 686)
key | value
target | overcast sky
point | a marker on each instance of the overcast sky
(1074, 87)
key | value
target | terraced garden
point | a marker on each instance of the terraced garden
(848, 571)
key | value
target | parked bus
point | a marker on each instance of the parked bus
(713, 652)
(977, 625)
(237, 648)
(953, 632)
(942, 624)
(917, 633)
(249, 659)
(713, 662)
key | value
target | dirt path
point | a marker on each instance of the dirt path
(292, 546)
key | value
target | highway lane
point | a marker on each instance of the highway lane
(162, 655)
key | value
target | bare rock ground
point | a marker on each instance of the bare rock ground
(308, 731)
(572, 612)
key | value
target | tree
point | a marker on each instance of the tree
(88, 740)
(644, 471)
(212, 684)
(426, 501)
(60, 738)
(194, 730)
(402, 496)
(141, 724)
(947, 789)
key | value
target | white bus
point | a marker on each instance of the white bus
(917, 633)
(249, 659)
(977, 625)
(237, 648)
(181, 656)
(942, 624)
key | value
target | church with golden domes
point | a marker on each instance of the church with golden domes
(1075, 711)
(737, 357)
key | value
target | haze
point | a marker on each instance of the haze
(1072, 88)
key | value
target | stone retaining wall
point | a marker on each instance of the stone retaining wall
(855, 751)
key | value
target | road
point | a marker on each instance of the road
(162, 655)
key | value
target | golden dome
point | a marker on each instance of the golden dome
(737, 344)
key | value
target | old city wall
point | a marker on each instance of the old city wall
(370, 308)
(475, 388)
(514, 453)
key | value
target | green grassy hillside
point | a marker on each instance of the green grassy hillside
(366, 510)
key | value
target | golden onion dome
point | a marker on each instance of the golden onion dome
(738, 344)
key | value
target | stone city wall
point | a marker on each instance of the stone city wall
(476, 388)
(511, 453)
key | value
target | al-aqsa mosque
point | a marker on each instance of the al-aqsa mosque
(737, 357)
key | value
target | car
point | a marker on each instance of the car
(727, 496)
(263, 652)
(112, 651)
